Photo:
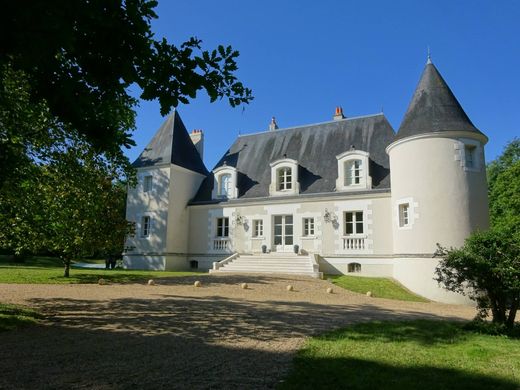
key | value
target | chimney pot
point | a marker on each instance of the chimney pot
(273, 125)
(338, 115)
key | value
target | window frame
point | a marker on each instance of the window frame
(354, 223)
(345, 181)
(404, 214)
(284, 178)
(351, 169)
(258, 228)
(218, 174)
(309, 226)
(222, 227)
(146, 226)
(147, 183)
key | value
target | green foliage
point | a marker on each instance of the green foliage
(487, 269)
(81, 58)
(380, 287)
(47, 270)
(13, 317)
(406, 355)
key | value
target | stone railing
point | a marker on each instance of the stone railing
(221, 244)
(354, 243)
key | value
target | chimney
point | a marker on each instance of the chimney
(273, 126)
(197, 137)
(338, 114)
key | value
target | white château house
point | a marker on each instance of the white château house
(348, 196)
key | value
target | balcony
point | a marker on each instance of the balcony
(221, 244)
(354, 244)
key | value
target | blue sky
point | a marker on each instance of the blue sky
(304, 58)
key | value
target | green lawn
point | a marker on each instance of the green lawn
(12, 317)
(49, 270)
(407, 355)
(380, 287)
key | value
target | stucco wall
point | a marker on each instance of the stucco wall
(448, 201)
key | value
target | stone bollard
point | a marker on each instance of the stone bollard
(244, 286)
(290, 288)
(197, 283)
(102, 282)
(330, 290)
(369, 294)
(151, 282)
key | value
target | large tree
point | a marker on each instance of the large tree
(487, 267)
(81, 57)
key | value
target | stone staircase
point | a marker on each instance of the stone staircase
(269, 263)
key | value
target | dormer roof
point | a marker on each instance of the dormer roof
(433, 108)
(171, 144)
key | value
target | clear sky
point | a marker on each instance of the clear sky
(304, 58)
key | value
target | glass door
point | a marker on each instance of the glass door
(283, 233)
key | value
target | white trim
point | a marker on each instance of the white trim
(281, 164)
(347, 158)
(440, 134)
(220, 172)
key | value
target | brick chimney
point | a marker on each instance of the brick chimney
(273, 126)
(197, 137)
(338, 114)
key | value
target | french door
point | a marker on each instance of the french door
(283, 233)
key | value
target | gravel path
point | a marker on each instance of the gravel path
(175, 336)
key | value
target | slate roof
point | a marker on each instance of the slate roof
(315, 147)
(433, 108)
(171, 144)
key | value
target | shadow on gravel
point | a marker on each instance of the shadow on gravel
(169, 342)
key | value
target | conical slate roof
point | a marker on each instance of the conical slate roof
(433, 108)
(171, 144)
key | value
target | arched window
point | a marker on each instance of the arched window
(284, 181)
(353, 172)
(354, 267)
(224, 188)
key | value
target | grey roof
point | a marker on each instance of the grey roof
(171, 144)
(315, 147)
(433, 108)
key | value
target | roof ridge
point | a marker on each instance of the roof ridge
(313, 124)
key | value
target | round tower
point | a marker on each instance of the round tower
(438, 176)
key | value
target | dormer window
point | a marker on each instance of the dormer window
(353, 173)
(225, 183)
(284, 182)
(284, 177)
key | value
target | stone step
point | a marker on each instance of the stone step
(309, 273)
(270, 261)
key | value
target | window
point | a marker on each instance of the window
(284, 179)
(353, 172)
(145, 226)
(353, 222)
(469, 152)
(404, 214)
(224, 185)
(147, 184)
(308, 227)
(354, 267)
(258, 228)
(223, 227)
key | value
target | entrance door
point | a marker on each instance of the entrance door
(283, 233)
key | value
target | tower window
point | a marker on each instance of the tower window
(147, 184)
(469, 153)
(145, 226)
(404, 214)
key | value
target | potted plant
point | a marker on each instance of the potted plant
(296, 249)
(264, 248)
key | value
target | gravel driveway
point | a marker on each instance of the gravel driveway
(176, 336)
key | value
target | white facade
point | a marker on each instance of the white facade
(438, 194)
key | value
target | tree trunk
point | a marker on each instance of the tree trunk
(512, 313)
(66, 271)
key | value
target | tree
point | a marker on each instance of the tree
(81, 57)
(487, 269)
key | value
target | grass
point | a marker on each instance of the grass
(12, 317)
(380, 287)
(49, 270)
(407, 355)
